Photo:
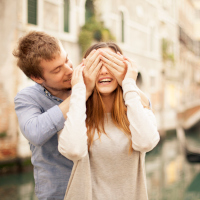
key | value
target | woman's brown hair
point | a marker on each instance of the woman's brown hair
(96, 110)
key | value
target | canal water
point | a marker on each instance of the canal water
(169, 175)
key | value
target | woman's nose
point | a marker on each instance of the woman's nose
(103, 70)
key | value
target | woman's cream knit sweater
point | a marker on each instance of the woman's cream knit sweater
(108, 171)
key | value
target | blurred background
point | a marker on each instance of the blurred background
(162, 36)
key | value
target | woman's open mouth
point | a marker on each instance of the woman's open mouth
(105, 81)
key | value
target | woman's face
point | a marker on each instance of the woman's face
(106, 83)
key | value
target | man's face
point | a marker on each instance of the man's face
(57, 73)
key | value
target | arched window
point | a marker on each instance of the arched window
(122, 27)
(139, 80)
(66, 15)
(32, 12)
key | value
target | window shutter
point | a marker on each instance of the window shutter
(32, 12)
(66, 15)
(122, 27)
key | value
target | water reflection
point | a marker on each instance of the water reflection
(17, 187)
(169, 176)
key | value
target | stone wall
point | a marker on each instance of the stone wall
(13, 23)
(8, 80)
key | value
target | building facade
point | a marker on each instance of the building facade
(189, 55)
(60, 18)
(161, 36)
(147, 32)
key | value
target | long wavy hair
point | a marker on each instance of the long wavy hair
(96, 109)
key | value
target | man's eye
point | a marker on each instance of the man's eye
(66, 61)
(57, 70)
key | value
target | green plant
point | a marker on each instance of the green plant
(93, 31)
(166, 55)
(3, 135)
(85, 40)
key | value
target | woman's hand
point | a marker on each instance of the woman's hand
(132, 71)
(92, 65)
(114, 63)
(77, 75)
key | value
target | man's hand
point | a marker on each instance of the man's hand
(115, 64)
(92, 65)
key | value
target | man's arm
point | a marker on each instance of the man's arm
(36, 125)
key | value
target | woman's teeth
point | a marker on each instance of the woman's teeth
(105, 80)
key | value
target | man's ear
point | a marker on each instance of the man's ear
(37, 80)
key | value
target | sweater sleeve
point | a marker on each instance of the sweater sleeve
(142, 121)
(72, 140)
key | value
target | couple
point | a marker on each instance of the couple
(93, 119)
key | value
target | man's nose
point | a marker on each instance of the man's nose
(68, 69)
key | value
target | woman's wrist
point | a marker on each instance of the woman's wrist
(144, 100)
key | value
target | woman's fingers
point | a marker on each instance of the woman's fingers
(112, 64)
(97, 68)
(89, 56)
(120, 55)
(77, 75)
(113, 57)
(113, 71)
(80, 72)
(91, 59)
(116, 55)
(133, 63)
(84, 61)
(89, 70)
(94, 65)
(132, 72)
(118, 75)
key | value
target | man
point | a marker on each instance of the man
(41, 109)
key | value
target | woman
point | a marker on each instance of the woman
(107, 141)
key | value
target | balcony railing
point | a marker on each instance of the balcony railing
(191, 44)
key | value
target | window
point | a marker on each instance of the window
(32, 12)
(197, 14)
(66, 15)
(152, 81)
(139, 80)
(89, 10)
(122, 27)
